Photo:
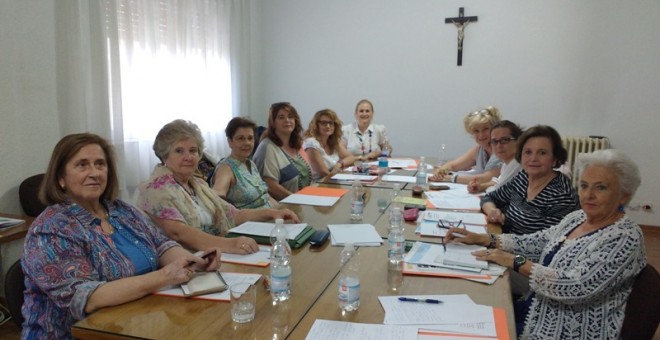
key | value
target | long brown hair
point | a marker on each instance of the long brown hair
(296, 140)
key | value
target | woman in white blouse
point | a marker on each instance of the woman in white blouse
(323, 144)
(364, 139)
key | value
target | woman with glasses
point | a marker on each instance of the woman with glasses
(278, 156)
(364, 139)
(325, 151)
(481, 162)
(236, 178)
(538, 197)
(503, 138)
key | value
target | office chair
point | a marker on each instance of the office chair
(14, 288)
(643, 307)
(28, 195)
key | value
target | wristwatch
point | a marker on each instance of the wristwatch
(518, 261)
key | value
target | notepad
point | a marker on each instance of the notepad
(460, 255)
(204, 283)
(358, 234)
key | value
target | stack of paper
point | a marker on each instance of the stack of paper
(431, 259)
(318, 196)
(352, 177)
(363, 235)
(263, 229)
(429, 222)
(457, 315)
(6, 222)
(457, 197)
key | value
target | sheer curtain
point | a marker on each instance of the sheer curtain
(167, 60)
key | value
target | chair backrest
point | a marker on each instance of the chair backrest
(643, 306)
(258, 133)
(14, 290)
(28, 195)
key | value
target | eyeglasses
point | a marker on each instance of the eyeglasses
(445, 224)
(503, 141)
(479, 112)
(326, 123)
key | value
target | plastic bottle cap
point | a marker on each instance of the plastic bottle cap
(279, 221)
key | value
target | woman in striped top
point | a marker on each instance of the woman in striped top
(538, 197)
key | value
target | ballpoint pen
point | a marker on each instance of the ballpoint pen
(444, 245)
(407, 299)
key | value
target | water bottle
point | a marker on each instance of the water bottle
(280, 266)
(396, 192)
(395, 239)
(383, 165)
(357, 201)
(442, 159)
(386, 151)
(421, 172)
(349, 279)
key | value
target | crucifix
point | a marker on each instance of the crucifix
(461, 21)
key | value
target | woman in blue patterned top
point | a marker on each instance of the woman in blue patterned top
(89, 250)
(236, 178)
(581, 271)
(538, 197)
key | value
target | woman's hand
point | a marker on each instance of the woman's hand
(440, 178)
(180, 270)
(285, 214)
(495, 255)
(463, 236)
(495, 216)
(474, 186)
(242, 245)
(211, 258)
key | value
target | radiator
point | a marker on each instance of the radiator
(578, 145)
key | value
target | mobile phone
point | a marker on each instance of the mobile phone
(205, 256)
(319, 237)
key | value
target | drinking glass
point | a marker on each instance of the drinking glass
(243, 302)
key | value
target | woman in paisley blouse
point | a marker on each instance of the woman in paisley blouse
(580, 271)
(278, 156)
(184, 206)
(89, 250)
(236, 178)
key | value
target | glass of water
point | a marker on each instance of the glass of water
(243, 302)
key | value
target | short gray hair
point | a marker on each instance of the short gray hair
(622, 166)
(173, 132)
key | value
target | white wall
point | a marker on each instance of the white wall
(585, 67)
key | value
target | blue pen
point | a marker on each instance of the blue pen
(407, 299)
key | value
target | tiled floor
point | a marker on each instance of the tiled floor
(9, 331)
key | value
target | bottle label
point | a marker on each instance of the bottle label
(349, 291)
(357, 207)
(382, 162)
(395, 247)
(280, 283)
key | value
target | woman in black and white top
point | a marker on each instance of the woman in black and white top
(538, 197)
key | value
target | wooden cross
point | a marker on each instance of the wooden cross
(460, 22)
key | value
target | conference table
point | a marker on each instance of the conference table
(314, 290)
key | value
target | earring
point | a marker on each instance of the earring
(621, 208)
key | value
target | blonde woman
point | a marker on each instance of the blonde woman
(326, 153)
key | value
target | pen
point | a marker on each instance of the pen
(444, 245)
(407, 299)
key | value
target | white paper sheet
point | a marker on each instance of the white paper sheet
(264, 229)
(432, 255)
(396, 178)
(450, 199)
(360, 234)
(332, 330)
(430, 228)
(476, 218)
(455, 314)
(260, 258)
(323, 201)
(352, 177)
(459, 254)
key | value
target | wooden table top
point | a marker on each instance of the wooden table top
(314, 292)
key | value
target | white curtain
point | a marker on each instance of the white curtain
(167, 59)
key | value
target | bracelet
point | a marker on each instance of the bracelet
(454, 178)
(493, 241)
(341, 162)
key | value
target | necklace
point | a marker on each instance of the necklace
(359, 135)
(190, 192)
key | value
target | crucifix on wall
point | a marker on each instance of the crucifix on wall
(461, 21)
